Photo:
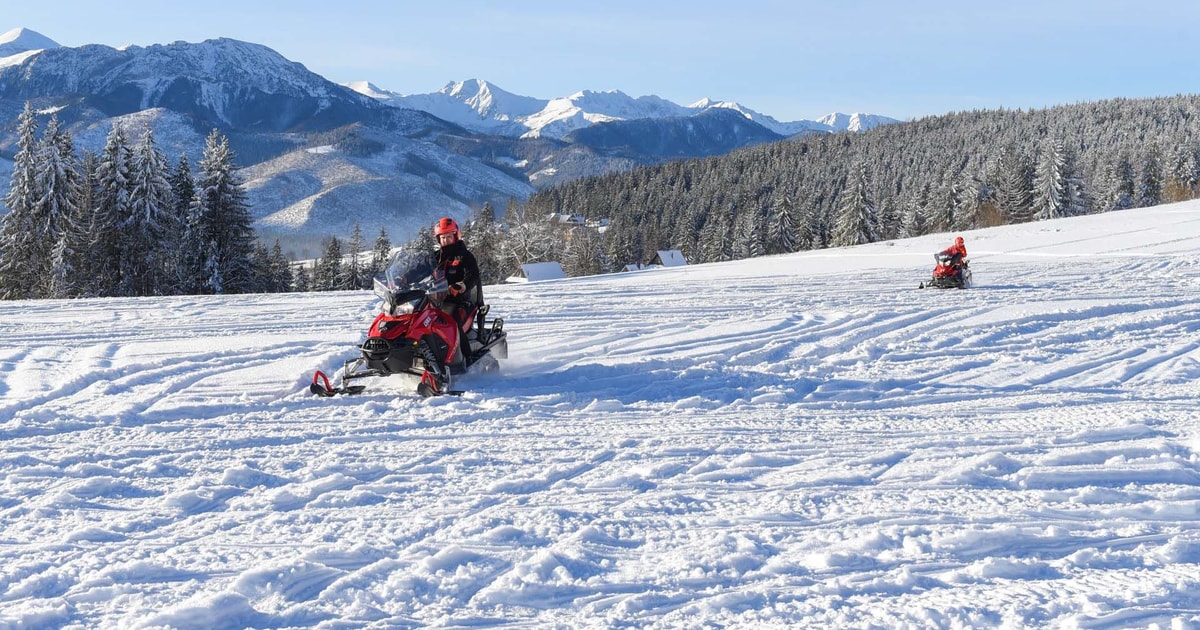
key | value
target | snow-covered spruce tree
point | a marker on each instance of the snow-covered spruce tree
(947, 204)
(781, 229)
(971, 195)
(88, 281)
(856, 221)
(272, 273)
(716, 238)
(24, 252)
(301, 279)
(356, 275)
(1079, 198)
(748, 240)
(1115, 184)
(329, 273)
(109, 252)
(150, 220)
(1050, 182)
(1014, 188)
(913, 221)
(280, 270)
(59, 182)
(185, 268)
(1149, 179)
(380, 254)
(618, 246)
(1184, 174)
(887, 219)
(222, 221)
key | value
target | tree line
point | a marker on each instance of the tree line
(953, 172)
(123, 222)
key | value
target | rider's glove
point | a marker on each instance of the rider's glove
(457, 288)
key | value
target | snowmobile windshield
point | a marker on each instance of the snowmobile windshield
(410, 269)
(409, 278)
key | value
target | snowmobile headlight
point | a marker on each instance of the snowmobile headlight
(403, 308)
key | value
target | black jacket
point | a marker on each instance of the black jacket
(459, 265)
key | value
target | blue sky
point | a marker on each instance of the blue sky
(791, 59)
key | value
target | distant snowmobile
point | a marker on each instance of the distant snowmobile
(951, 272)
(413, 335)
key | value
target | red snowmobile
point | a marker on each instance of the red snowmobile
(414, 335)
(951, 272)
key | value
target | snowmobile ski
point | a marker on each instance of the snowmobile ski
(321, 387)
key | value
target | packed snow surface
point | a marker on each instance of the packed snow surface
(795, 441)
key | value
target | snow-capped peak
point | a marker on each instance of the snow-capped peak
(21, 39)
(482, 106)
(489, 101)
(366, 88)
(853, 122)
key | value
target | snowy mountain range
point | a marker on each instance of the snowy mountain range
(318, 157)
(486, 108)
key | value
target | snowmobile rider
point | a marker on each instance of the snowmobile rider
(958, 251)
(461, 271)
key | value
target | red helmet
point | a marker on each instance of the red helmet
(958, 241)
(445, 225)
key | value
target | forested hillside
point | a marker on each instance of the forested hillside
(952, 172)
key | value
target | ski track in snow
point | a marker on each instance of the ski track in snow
(792, 441)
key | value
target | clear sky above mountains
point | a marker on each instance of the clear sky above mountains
(791, 59)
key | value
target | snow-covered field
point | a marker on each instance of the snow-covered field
(798, 441)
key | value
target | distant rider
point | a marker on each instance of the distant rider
(461, 271)
(958, 252)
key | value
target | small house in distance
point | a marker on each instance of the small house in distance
(533, 272)
(662, 258)
(669, 258)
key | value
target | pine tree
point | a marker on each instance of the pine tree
(1079, 199)
(781, 230)
(260, 261)
(355, 270)
(856, 221)
(716, 237)
(618, 248)
(187, 262)
(109, 253)
(380, 254)
(1015, 181)
(87, 255)
(280, 270)
(913, 221)
(329, 274)
(150, 219)
(1185, 173)
(888, 220)
(1050, 183)
(222, 221)
(749, 235)
(301, 279)
(1149, 182)
(58, 181)
(1117, 185)
(23, 253)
